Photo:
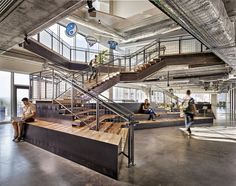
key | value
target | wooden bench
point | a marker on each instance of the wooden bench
(80, 145)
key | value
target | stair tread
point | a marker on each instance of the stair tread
(104, 126)
(124, 135)
(85, 118)
(115, 128)
(104, 117)
(81, 112)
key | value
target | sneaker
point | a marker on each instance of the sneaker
(189, 130)
(15, 137)
(17, 140)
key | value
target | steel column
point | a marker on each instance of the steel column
(97, 115)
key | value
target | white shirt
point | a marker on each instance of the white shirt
(29, 109)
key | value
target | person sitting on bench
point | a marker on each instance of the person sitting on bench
(145, 107)
(29, 113)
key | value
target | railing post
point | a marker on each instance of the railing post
(45, 93)
(129, 63)
(86, 57)
(159, 48)
(31, 87)
(40, 86)
(97, 73)
(72, 94)
(125, 62)
(97, 115)
(62, 48)
(119, 61)
(83, 80)
(53, 79)
(70, 54)
(51, 42)
(108, 69)
(131, 145)
(180, 46)
(144, 56)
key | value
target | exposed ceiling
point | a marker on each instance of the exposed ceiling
(128, 24)
(25, 17)
(147, 23)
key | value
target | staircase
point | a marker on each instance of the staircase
(90, 113)
(129, 68)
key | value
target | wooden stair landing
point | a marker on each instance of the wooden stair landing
(85, 132)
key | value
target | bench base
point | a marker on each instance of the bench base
(97, 155)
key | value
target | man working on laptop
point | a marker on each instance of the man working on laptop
(29, 113)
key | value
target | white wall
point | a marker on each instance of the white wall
(129, 8)
(19, 65)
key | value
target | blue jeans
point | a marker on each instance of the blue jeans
(151, 113)
(188, 119)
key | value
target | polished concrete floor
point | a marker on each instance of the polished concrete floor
(163, 156)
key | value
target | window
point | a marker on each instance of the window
(21, 79)
(5, 96)
(121, 94)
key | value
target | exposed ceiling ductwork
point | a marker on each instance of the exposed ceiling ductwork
(208, 21)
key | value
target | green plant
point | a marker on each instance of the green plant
(102, 56)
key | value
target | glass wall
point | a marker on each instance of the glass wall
(20, 86)
(157, 97)
(72, 48)
(5, 96)
(21, 79)
(121, 94)
(201, 97)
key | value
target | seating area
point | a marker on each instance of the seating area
(80, 144)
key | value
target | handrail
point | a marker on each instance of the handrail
(51, 33)
(125, 115)
(71, 54)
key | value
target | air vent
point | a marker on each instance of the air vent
(5, 5)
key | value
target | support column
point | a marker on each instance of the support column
(111, 93)
(234, 100)
(227, 101)
(213, 102)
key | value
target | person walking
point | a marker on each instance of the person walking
(189, 109)
(93, 63)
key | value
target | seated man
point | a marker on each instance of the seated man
(145, 108)
(29, 113)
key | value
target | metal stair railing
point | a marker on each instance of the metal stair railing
(119, 110)
(126, 115)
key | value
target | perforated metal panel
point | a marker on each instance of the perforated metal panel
(5, 5)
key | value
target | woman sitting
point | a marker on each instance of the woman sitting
(145, 107)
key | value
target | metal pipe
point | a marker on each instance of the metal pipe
(97, 115)
(53, 84)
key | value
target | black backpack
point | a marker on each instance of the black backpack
(188, 105)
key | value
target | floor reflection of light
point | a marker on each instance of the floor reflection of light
(216, 133)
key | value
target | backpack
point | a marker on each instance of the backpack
(188, 105)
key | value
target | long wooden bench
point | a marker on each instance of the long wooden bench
(171, 122)
(79, 144)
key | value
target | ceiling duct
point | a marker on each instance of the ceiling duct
(5, 5)
(207, 20)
